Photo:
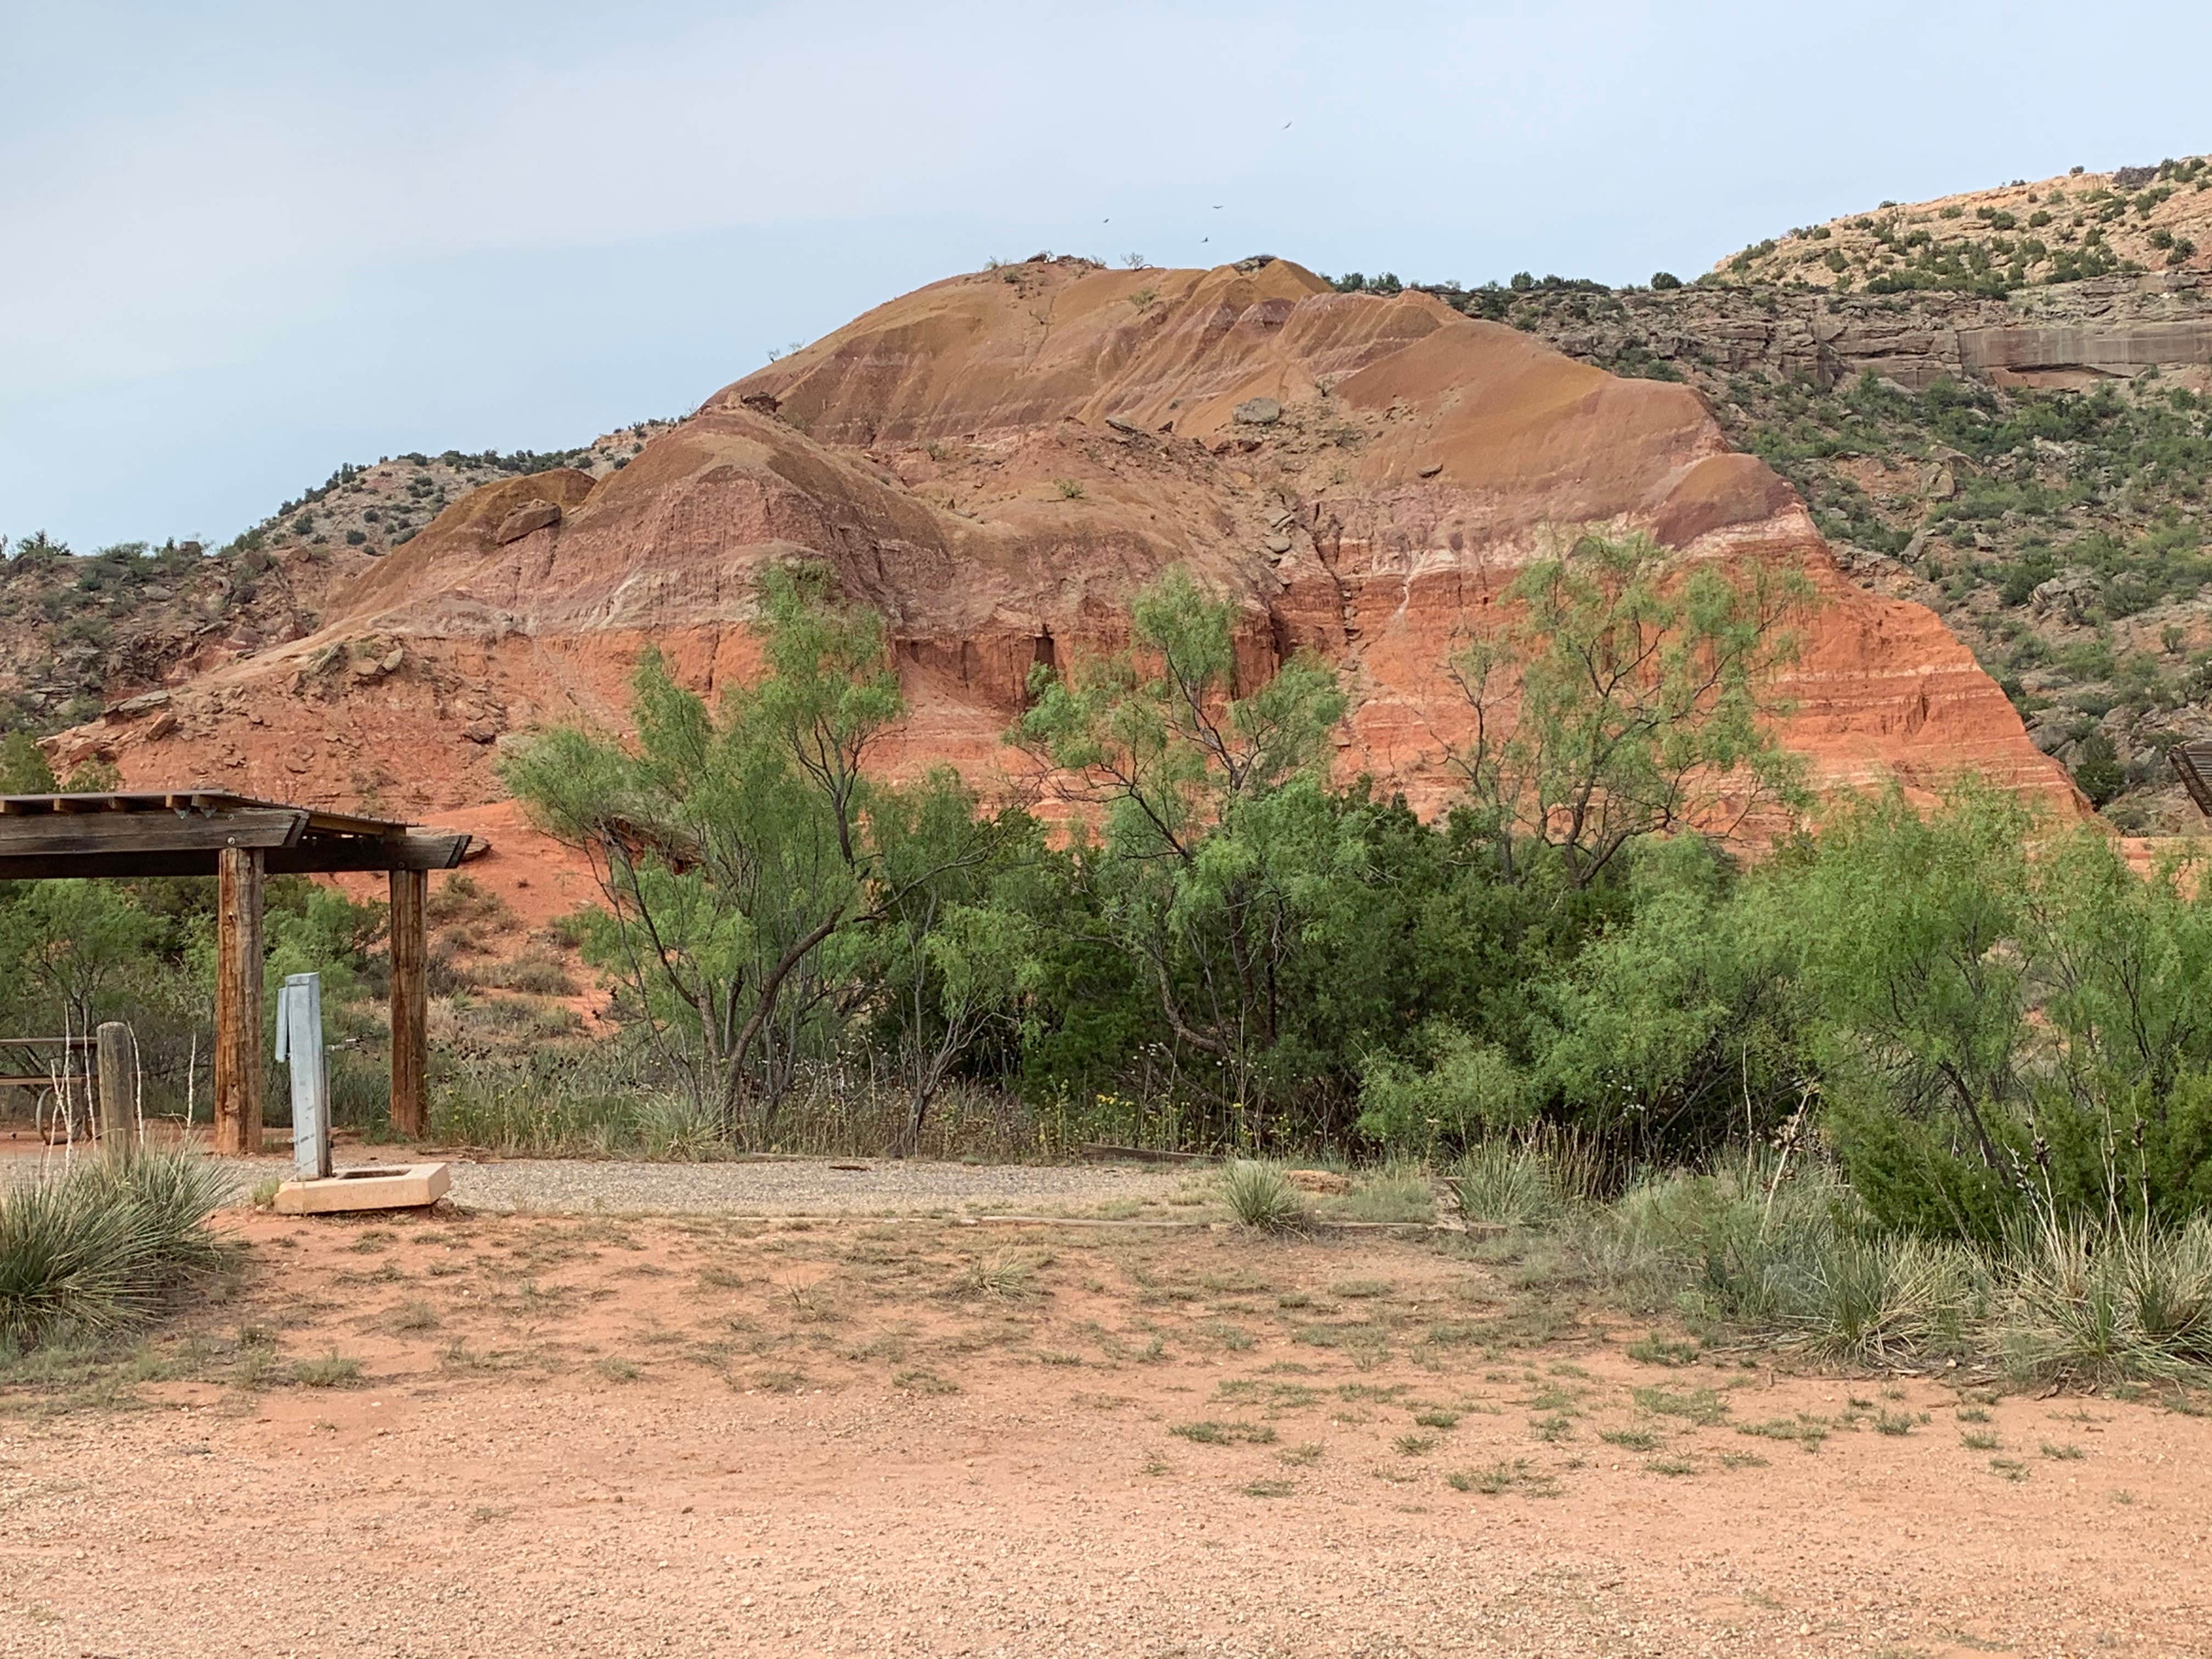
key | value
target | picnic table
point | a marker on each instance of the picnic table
(76, 1060)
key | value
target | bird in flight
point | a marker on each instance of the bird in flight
(1286, 126)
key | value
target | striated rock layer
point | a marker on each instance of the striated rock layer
(998, 461)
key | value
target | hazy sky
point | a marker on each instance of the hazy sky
(245, 242)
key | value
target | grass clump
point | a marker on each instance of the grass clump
(92, 1251)
(1261, 1198)
(331, 1370)
(1210, 1433)
(1699, 1406)
(2134, 1300)
(920, 1381)
(1001, 1276)
(1398, 1191)
(1495, 1479)
(1655, 1350)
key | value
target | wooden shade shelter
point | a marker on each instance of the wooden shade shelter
(2193, 760)
(239, 841)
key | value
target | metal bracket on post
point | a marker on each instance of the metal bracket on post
(300, 1045)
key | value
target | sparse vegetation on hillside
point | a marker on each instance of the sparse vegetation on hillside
(2061, 533)
(1996, 241)
(76, 629)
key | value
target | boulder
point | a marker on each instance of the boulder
(131, 707)
(2069, 594)
(1260, 411)
(540, 515)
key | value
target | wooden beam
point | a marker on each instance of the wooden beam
(66, 833)
(410, 1036)
(238, 1066)
(2192, 761)
(314, 856)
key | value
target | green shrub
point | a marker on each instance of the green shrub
(1470, 1092)
(1918, 1176)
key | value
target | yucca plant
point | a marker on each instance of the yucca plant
(1508, 1181)
(2130, 1299)
(678, 1127)
(92, 1251)
(1259, 1197)
(1875, 1299)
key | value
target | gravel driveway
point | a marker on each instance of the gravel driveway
(805, 1186)
(758, 1187)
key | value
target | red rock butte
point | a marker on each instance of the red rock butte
(997, 462)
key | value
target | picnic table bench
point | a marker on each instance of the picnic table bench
(78, 1058)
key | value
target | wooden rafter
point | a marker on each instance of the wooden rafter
(2193, 760)
(181, 832)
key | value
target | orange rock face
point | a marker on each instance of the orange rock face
(997, 462)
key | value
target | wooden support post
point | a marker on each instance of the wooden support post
(238, 1063)
(410, 1036)
(119, 1088)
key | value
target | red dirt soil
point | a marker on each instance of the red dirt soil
(629, 1437)
(998, 461)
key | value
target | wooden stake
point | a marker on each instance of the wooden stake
(119, 1088)
(238, 1063)
(410, 1036)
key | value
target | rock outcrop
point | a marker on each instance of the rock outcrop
(997, 462)
(2073, 335)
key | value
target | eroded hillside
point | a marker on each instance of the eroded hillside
(997, 462)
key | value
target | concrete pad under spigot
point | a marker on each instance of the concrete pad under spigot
(371, 1187)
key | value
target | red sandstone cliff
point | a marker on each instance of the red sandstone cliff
(998, 461)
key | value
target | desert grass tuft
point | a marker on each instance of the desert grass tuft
(331, 1370)
(1261, 1197)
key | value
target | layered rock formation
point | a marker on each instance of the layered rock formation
(997, 462)
(2075, 334)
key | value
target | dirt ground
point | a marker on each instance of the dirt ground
(524, 1435)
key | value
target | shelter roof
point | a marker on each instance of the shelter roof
(182, 832)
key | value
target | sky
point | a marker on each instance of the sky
(242, 244)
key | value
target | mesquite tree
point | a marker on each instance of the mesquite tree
(1626, 697)
(735, 849)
